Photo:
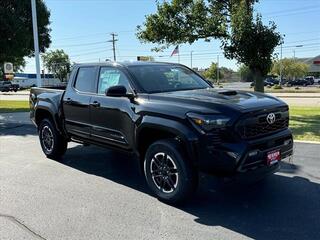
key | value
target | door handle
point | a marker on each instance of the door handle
(95, 104)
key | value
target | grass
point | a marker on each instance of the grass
(8, 106)
(305, 123)
(293, 90)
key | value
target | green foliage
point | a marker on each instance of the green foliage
(244, 37)
(16, 38)
(211, 72)
(290, 68)
(245, 73)
(277, 87)
(57, 62)
(181, 21)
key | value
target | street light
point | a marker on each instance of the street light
(36, 40)
(191, 59)
(294, 50)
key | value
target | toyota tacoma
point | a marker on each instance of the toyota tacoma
(173, 120)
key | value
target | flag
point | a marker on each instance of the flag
(175, 51)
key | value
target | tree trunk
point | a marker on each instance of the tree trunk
(258, 80)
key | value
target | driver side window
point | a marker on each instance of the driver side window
(110, 77)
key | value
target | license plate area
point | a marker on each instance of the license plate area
(273, 157)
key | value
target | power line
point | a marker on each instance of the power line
(79, 45)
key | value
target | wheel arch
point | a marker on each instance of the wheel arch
(43, 112)
(153, 129)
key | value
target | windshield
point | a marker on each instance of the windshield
(166, 78)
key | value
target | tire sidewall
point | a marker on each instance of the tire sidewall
(43, 124)
(172, 149)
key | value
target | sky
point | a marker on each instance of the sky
(82, 29)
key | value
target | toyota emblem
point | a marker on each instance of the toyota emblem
(271, 118)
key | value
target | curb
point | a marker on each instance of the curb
(296, 96)
(301, 141)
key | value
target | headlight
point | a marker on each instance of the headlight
(208, 122)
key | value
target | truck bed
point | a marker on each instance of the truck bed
(48, 97)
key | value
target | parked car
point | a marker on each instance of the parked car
(170, 118)
(268, 82)
(298, 82)
(7, 86)
(310, 80)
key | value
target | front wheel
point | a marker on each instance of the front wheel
(168, 172)
(52, 142)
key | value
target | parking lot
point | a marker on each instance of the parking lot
(99, 194)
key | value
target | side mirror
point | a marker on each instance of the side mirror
(118, 91)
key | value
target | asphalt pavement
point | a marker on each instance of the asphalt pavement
(96, 193)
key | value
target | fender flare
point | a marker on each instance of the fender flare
(50, 108)
(186, 134)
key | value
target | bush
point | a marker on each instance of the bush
(277, 87)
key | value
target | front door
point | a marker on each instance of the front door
(111, 117)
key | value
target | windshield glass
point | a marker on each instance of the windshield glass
(166, 78)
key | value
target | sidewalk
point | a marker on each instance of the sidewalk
(296, 95)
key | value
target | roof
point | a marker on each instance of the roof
(310, 61)
(126, 63)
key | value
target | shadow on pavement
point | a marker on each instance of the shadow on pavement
(17, 129)
(280, 207)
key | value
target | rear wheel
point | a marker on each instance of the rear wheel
(168, 172)
(52, 142)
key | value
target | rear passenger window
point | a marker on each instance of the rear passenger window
(85, 81)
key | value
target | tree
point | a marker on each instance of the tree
(245, 73)
(211, 72)
(243, 37)
(291, 68)
(58, 63)
(16, 38)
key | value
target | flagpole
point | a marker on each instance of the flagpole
(178, 54)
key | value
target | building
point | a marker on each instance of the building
(26, 80)
(314, 65)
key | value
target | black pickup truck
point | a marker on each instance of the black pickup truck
(173, 120)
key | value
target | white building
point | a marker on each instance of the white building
(26, 80)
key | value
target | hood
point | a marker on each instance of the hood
(219, 100)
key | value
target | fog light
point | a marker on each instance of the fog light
(233, 155)
(253, 153)
(287, 142)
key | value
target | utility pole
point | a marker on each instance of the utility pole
(280, 82)
(113, 40)
(36, 40)
(191, 59)
(218, 69)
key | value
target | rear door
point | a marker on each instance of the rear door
(112, 117)
(76, 101)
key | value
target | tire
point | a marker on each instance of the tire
(168, 172)
(53, 144)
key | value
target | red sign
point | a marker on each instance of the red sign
(316, 62)
(273, 157)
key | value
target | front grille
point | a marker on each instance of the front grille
(257, 125)
(213, 138)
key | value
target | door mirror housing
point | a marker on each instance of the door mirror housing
(118, 91)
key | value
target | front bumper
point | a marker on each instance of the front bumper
(245, 155)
